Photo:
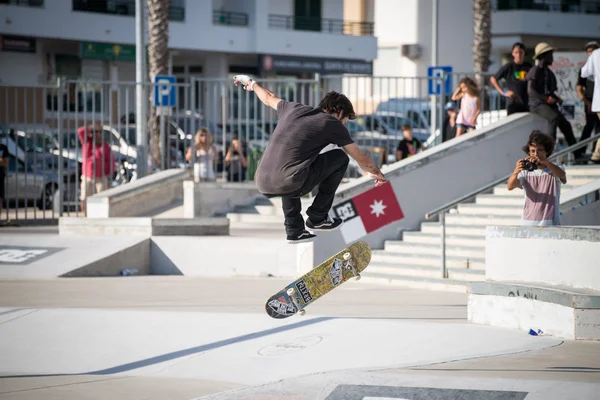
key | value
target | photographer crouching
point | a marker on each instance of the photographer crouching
(541, 179)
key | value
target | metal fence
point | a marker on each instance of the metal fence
(217, 130)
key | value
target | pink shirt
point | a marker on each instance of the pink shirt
(468, 109)
(95, 158)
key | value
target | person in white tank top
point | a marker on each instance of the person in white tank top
(205, 155)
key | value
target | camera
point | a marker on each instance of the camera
(530, 166)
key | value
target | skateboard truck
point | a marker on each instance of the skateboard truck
(292, 293)
(351, 265)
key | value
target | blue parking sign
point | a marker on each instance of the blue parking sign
(165, 94)
(434, 84)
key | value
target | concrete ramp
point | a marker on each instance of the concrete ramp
(48, 256)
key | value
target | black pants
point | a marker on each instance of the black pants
(592, 123)
(555, 120)
(327, 171)
(515, 107)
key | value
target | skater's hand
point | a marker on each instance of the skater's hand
(379, 178)
(248, 84)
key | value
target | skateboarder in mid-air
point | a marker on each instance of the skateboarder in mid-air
(292, 164)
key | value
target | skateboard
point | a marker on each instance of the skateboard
(331, 273)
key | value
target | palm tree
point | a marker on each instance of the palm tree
(158, 64)
(482, 37)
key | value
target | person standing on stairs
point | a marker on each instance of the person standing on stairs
(292, 164)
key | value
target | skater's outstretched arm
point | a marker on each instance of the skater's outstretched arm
(265, 95)
(365, 162)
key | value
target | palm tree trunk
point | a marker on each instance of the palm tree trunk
(158, 63)
(482, 37)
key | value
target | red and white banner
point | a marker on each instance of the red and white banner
(368, 212)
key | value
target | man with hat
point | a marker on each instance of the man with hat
(514, 74)
(591, 71)
(541, 89)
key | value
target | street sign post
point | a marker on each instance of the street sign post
(434, 74)
(165, 94)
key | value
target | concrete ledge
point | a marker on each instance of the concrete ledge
(558, 311)
(139, 197)
(142, 226)
(546, 255)
(209, 198)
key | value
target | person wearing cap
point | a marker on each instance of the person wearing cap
(591, 70)
(585, 91)
(449, 125)
(514, 74)
(541, 89)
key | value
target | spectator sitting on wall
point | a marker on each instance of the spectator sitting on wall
(236, 161)
(585, 90)
(449, 125)
(541, 89)
(514, 74)
(470, 105)
(409, 145)
(541, 179)
(97, 162)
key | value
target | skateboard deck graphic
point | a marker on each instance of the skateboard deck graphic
(347, 263)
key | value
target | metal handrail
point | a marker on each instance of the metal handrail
(488, 186)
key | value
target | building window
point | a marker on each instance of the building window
(566, 6)
(126, 7)
(26, 3)
(221, 17)
(77, 95)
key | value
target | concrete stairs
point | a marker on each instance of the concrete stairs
(415, 261)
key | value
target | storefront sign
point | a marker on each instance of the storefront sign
(291, 64)
(19, 44)
(107, 51)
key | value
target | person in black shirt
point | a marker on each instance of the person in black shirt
(514, 74)
(409, 146)
(293, 165)
(449, 125)
(541, 88)
(3, 165)
(585, 91)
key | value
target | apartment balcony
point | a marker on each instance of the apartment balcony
(122, 7)
(547, 18)
(230, 18)
(562, 6)
(324, 25)
(25, 3)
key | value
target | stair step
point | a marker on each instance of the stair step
(496, 210)
(451, 239)
(445, 285)
(426, 271)
(502, 190)
(467, 230)
(584, 170)
(400, 247)
(254, 218)
(500, 200)
(482, 220)
(387, 257)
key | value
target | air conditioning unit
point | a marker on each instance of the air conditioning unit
(412, 51)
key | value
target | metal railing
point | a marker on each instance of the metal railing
(565, 6)
(230, 18)
(26, 3)
(327, 25)
(121, 7)
(441, 211)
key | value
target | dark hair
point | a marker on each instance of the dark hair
(537, 138)
(406, 127)
(592, 45)
(519, 45)
(334, 102)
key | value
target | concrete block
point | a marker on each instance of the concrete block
(140, 197)
(209, 198)
(547, 255)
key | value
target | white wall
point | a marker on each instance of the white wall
(281, 7)
(545, 24)
(333, 9)
(548, 255)
(20, 68)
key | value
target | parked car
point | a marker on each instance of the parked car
(390, 123)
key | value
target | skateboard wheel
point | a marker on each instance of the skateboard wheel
(290, 291)
(301, 313)
(357, 277)
(347, 256)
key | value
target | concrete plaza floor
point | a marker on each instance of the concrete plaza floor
(152, 337)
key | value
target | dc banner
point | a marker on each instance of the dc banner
(368, 212)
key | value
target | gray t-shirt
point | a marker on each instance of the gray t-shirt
(302, 132)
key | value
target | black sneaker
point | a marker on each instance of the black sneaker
(328, 224)
(304, 237)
